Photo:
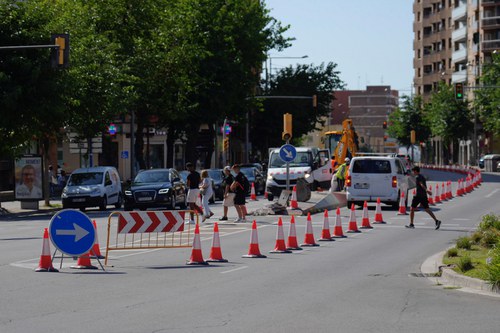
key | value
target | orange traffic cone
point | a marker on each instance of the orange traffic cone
(292, 243)
(196, 254)
(337, 231)
(309, 236)
(378, 213)
(402, 205)
(353, 226)
(280, 240)
(253, 196)
(449, 195)
(266, 195)
(365, 222)
(253, 249)
(293, 201)
(443, 193)
(84, 262)
(431, 199)
(325, 232)
(215, 251)
(45, 263)
(96, 251)
(437, 198)
(459, 189)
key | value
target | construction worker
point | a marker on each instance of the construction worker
(341, 173)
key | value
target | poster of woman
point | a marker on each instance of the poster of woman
(29, 178)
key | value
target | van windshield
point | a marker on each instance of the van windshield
(90, 178)
(303, 159)
(371, 166)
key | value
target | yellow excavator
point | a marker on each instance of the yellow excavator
(342, 143)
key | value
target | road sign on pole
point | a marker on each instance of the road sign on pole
(288, 153)
(72, 232)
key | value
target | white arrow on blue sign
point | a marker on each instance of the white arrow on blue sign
(288, 153)
(72, 232)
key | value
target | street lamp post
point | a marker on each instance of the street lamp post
(269, 75)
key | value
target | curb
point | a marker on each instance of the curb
(434, 265)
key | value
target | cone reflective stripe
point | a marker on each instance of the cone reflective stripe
(443, 192)
(292, 243)
(45, 263)
(337, 230)
(253, 249)
(325, 232)
(309, 236)
(430, 199)
(196, 254)
(84, 262)
(293, 201)
(253, 196)
(437, 198)
(378, 213)
(353, 226)
(459, 188)
(215, 251)
(96, 251)
(365, 222)
(449, 195)
(280, 240)
(402, 204)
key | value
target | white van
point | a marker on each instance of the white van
(312, 164)
(372, 177)
(91, 187)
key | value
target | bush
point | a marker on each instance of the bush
(493, 269)
(490, 238)
(464, 243)
(476, 237)
(453, 252)
(465, 264)
(490, 221)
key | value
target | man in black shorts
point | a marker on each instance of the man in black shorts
(420, 198)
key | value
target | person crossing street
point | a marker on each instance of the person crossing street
(420, 198)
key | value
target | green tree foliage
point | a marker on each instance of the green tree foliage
(487, 100)
(409, 116)
(303, 80)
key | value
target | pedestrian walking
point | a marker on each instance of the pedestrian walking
(420, 198)
(228, 194)
(240, 188)
(207, 192)
(341, 173)
(193, 183)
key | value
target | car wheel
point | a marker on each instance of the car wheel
(104, 203)
(172, 202)
(127, 207)
(119, 203)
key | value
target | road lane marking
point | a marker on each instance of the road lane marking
(234, 270)
(491, 193)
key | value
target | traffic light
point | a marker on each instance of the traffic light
(459, 91)
(225, 144)
(315, 101)
(287, 127)
(60, 54)
(384, 125)
(412, 136)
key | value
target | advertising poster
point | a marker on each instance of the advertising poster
(29, 178)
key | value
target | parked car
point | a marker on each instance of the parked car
(218, 183)
(256, 177)
(156, 188)
(372, 177)
(90, 187)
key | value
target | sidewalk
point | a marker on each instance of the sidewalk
(433, 265)
(14, 207)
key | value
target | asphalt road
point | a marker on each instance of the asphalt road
(363, 283)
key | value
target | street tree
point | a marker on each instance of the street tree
(409, 116)
(487, 98)
(449, 119)
(303, 81)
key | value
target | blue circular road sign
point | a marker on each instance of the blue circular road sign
(72, 232)
(288, 153)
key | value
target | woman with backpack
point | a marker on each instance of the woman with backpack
(238, 187)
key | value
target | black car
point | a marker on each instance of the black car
(255, 176)
(156, 188)
(218, 182)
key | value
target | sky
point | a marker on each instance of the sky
(371, 41)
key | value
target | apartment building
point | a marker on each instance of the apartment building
(453, 39)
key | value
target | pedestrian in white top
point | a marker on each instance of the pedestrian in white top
(206, 193)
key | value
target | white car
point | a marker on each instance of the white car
(372, 177)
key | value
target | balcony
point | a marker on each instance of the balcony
(491, 23)
(459, 76)
(459, 12)
(491, 45)
(459, 55)
(459, 34)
